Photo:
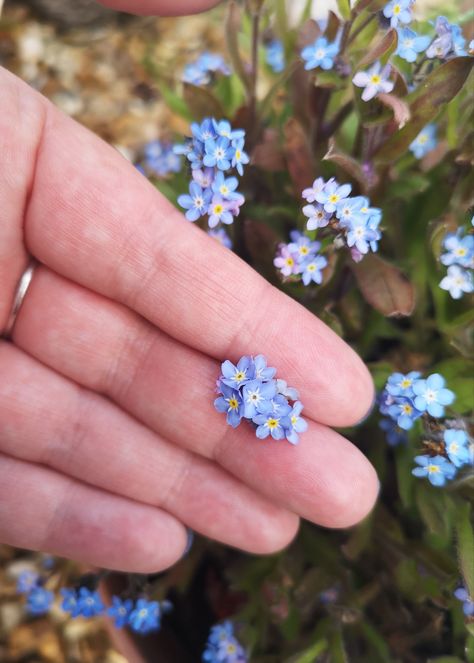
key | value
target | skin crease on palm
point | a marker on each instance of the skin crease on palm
(109, 443)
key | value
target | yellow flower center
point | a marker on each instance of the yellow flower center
(290, 262)
(224, 190)
(272, 423)
(405, 383)
(397, 9)
(218, 209)
(461, 251)
(375, 79)
(407, 409)
(239, 376)
(238, 154)
(422, 139)
(231, 648)
(433, 469)
(333, 198)
(233, 403)
(304, 250)
(294, 419)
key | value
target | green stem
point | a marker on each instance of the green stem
(361, 27)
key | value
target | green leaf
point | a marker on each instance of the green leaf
(175, 101)
(337, 649)
(465, 543)
(384, 286)
(344, 7)
(437, 90)
(348, 164)
(310, 654)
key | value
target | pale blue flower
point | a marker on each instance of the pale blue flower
(398, 11)
(411, 44)
(436, 468)
(374, 81)
(196, 203)
(320, 54)
(457, 282)
(456, 446)
(432, 396)
(275, 55)
(424, 142)
(312, 270)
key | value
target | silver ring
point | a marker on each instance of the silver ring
(21, 290)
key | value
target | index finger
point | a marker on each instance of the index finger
(93, 218)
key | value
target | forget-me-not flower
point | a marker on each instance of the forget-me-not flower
(411, 44)
(431, 395)
(457, 282)
(320, 53)
(436, 468)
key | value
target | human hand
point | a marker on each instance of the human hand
(109, 442)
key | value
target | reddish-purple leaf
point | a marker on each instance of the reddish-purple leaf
(384, 286)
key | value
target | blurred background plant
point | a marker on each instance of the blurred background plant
(377, 96)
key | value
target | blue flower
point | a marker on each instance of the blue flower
(398, 11)
(449, 42)
(318, 185)
(288, 392)
(236, 376)
(221, 236)
(320, 54)
(460, 250)
(304, 248)
(197, 202)
(257, 397)
(222, 646)
(374, 81)
(385, 401)
(69, 602)
(457, 282)
(350, 210)
(394, 434)
(404, 413)
(431, 395)
(399, 384)
(297, 423)
(27, 580)
(161, 158)
(261, 370)
(219, 212)
(275, 55)
(226, 187)
(410, 44)
(199, 72)
(145, 616)
(317, 216)
(271, 424)
(312, 270)
(436, 468)
(456, 446)
(223, 128)
(218, 152)
(360, 235)
(239, 158)
(424, 142)
(39, 601)
(204, 131)
(332, 195)
(120, 611)
(89, 602)
(231, 403)
(463, 595)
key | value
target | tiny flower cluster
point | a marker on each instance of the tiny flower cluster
(142, 615)
(214, 150)
(449, 42)
(275, 55)
(300, 259)
(202, 70)
(459, 259)
(38, 599)
(249, 390)
(352, 217)
(399, 11)
(406, 398)
(160, 158)
(222, 646)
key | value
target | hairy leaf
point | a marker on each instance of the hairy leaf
(382, 49)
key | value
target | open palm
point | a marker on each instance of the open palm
(109, 442)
